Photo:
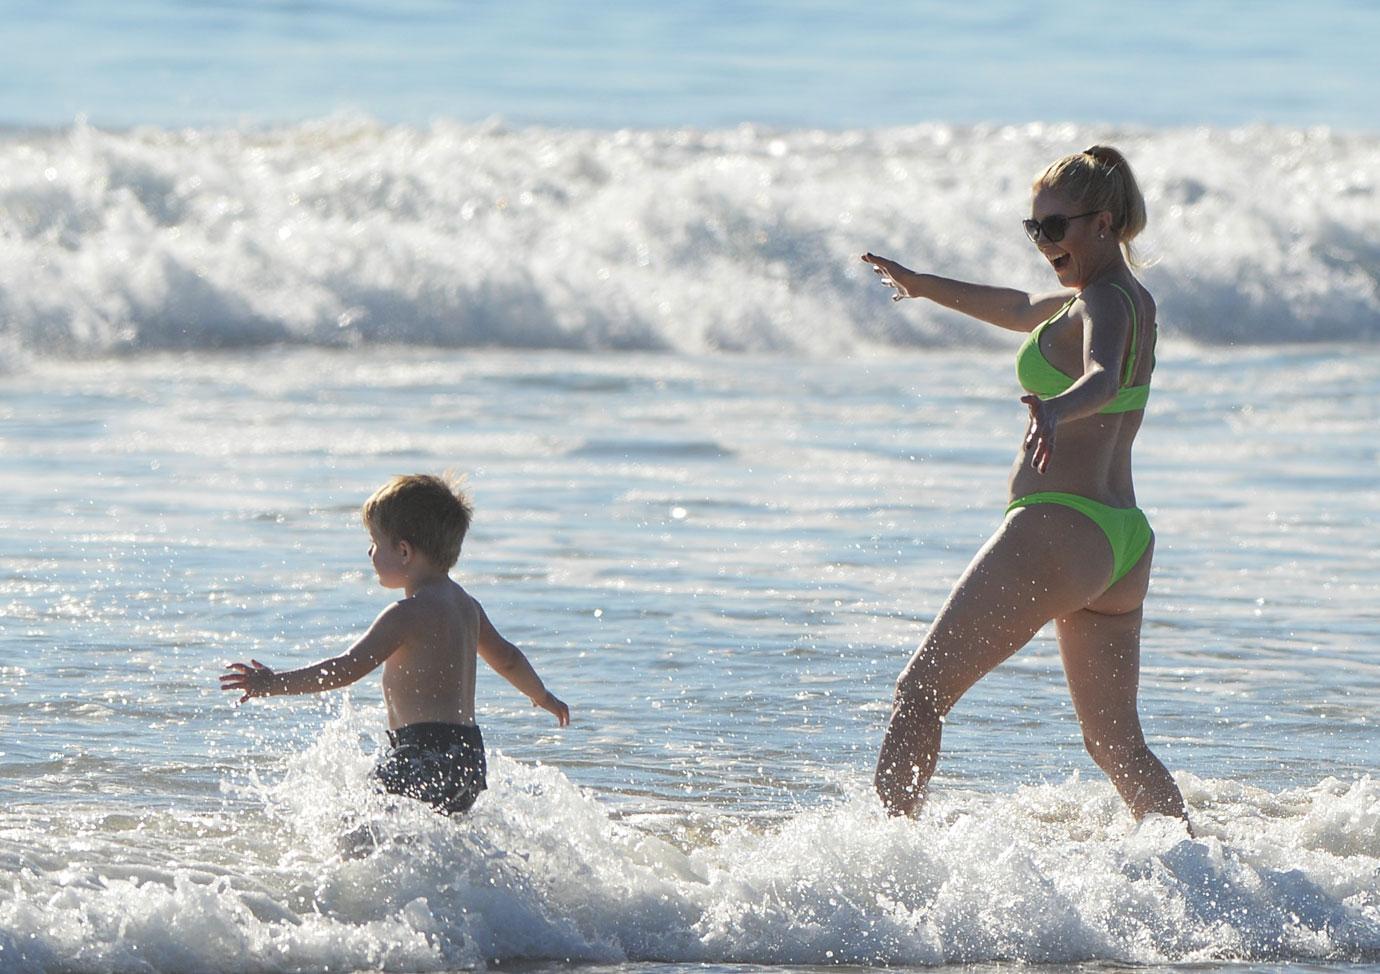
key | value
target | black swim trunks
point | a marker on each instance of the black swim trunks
(440, 764)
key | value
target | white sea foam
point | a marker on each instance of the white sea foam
(346, 231)
(542, 871)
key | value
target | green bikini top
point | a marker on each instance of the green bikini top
(1037, 376)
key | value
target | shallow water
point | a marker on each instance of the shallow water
(721, 563)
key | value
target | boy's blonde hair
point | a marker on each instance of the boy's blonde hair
(430, 513)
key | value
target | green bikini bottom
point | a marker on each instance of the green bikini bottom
(1126, 528)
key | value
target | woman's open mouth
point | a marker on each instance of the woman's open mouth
(1060, 262)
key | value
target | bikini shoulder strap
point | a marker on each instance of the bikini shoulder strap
(1135, 328)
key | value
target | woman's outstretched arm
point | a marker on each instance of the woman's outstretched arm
(1001, 306)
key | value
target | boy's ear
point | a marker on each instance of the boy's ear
(405, 551)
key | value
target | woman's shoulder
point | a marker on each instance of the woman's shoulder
(1112, 300)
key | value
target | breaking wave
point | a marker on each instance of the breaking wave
(345, 231)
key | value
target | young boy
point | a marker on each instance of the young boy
(427, 643)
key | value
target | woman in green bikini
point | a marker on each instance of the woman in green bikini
(1073, 547)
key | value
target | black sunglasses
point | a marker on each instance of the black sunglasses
(1053, 226)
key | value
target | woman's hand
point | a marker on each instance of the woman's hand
(1039, 435)
(895, 276)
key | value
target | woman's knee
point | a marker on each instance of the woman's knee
(937, 675)
(917, 698)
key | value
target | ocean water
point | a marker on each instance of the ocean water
(255, 258)
(721, 563)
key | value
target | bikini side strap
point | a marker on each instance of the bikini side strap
(1135, 328)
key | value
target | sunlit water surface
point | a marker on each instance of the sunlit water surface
(721, 563)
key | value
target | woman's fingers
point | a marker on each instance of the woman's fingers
(886, 270)
(1039, 437)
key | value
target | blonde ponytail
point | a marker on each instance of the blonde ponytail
(1100, 178)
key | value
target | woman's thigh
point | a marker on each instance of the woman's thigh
(1043, 562)
(1101, 656)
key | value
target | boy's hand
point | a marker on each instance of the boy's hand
(253, 678)
(551, 704)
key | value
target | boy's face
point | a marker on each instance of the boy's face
(388, 559)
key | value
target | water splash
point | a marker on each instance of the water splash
(542, 871)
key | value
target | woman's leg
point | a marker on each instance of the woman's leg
(1043, 562)
(1100, 647)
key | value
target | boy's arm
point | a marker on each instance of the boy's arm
(509, 662)
(387, 633)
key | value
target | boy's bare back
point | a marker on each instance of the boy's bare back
(429, 678)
